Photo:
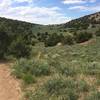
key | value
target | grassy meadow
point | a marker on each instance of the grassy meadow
(62, 72)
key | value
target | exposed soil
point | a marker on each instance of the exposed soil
(88, 42)
(9, 86)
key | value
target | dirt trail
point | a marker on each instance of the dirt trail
(9, 86)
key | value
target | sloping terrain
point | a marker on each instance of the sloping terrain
(9, 86)
(60, 72)
(87, 22)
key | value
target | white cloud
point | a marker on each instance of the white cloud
(40, 15)
(73, 1)
(77, 1)
(23, 0)
(77, 8)
(5, 3)
(86, 8)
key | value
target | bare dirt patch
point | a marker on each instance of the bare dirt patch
(9, 86)
(91, 41)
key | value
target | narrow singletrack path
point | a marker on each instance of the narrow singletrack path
(9, 86)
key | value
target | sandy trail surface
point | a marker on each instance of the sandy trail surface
(9, 86)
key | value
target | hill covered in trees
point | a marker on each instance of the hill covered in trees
(18, 37)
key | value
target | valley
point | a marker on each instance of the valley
(52, 62)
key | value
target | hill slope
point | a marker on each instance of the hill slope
(60, 72)
(87, 22)
(13, 33)
(63, 72)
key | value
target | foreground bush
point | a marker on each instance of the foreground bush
(62, 88)
(92, 68)
(67, 70)
(98, 33)
(19, 48)
(27, 69)
(13, 43)
(5, 40)
(93, 96)
(59, 86)
(29, 79)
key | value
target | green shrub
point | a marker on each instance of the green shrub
(22, 66)
(60, 87)
(40, 68)
(98, 33)
(82, 37)
(5, 41)
(55, 86)
(67, 71)
(15, 39)
(93, 96)
(92, 68)
(35, 68)
(19, 49)
(83, 86)
(68, 40)
(28, 79)
(98, 81)
(53, 39)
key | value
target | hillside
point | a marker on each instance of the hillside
(90, 23)
(18, 27)
(86, 22)
(62, 72)
(13, 34)
(54, 62)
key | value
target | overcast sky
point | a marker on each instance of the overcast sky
(47, 11)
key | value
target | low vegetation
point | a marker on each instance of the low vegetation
(29, 69)
(18, 37)
(55, 62)
(62, 72)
